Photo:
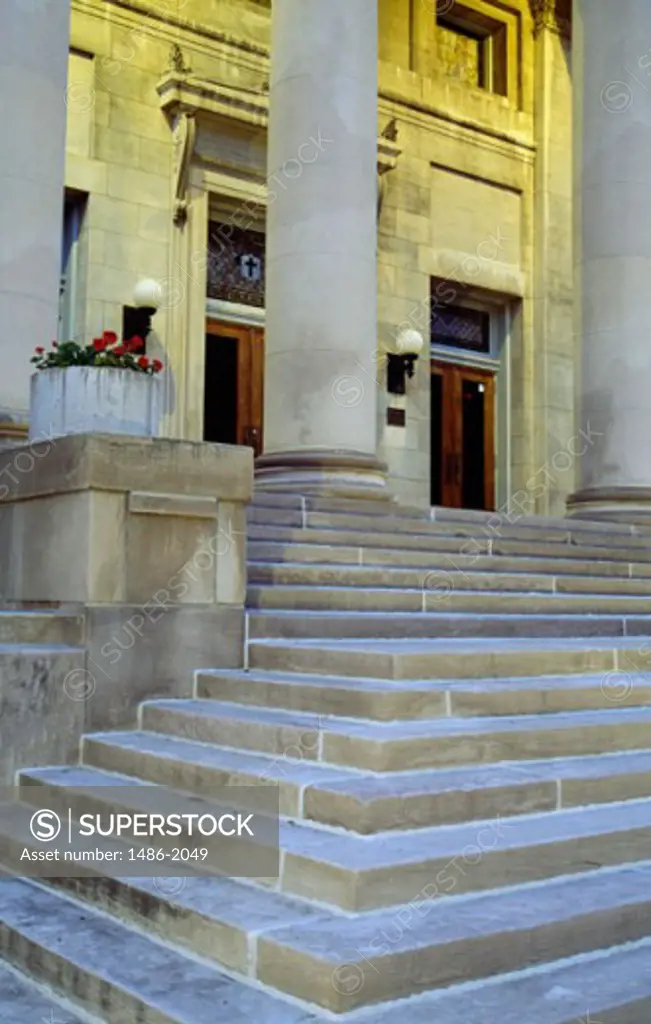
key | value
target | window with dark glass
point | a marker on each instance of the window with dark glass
(459, 327)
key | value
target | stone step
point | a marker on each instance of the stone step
(388, 953)
(42, 627)
(489, 519)
(392, 953)
(425, 528)
(372, 537)
(308, 624)
(385, 700)
(481, 519)
(439, 583)
(400, 745)
(359, 873)
(24, 1002)
(454, 659)
(367, 803)
(309, 502)
(216, 918)
(201, 768)
(606, 987)
(290, 597)
(98, 961)
(280, 552)
(434, 943)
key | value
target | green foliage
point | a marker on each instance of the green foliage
(104, 351)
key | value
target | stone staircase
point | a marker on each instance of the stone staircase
(456, 713)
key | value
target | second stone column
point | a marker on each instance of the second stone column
(321, 333)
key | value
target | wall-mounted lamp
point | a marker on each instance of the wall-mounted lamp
(136, 319)
(407, 347)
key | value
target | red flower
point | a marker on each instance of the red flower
(156, 366)
(39, 350)
(136, 344)
(55, 344)
(143, 363)
(119, 351)
(110, 338)
(99, 344)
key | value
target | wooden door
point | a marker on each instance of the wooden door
(234, 384)
(462, 437)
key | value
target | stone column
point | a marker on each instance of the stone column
(34, 42)
(321, 336)
(612, 201)
(555, 349)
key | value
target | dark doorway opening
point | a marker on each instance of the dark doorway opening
(220, 390)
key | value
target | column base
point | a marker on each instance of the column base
(614, 504)
(332, 472)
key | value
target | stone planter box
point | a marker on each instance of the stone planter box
(94, 400)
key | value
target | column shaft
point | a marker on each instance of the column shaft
(321, 334)
(612, 207)
(34, 42)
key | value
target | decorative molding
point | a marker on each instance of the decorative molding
(235, 313)
(554, 15)
(179, 92)
(177, 61)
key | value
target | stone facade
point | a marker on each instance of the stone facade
(476, 196)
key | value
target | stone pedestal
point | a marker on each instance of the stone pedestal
(34, 40)
(612, 200)
(145, 538)
(321, 331)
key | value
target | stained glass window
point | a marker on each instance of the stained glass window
(236, 264)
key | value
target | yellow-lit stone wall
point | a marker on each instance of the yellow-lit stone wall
(479, 199)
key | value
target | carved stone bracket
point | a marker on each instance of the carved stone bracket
(387, 159)
(555, 15)
(185, 130)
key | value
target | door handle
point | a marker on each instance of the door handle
(252, 438)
